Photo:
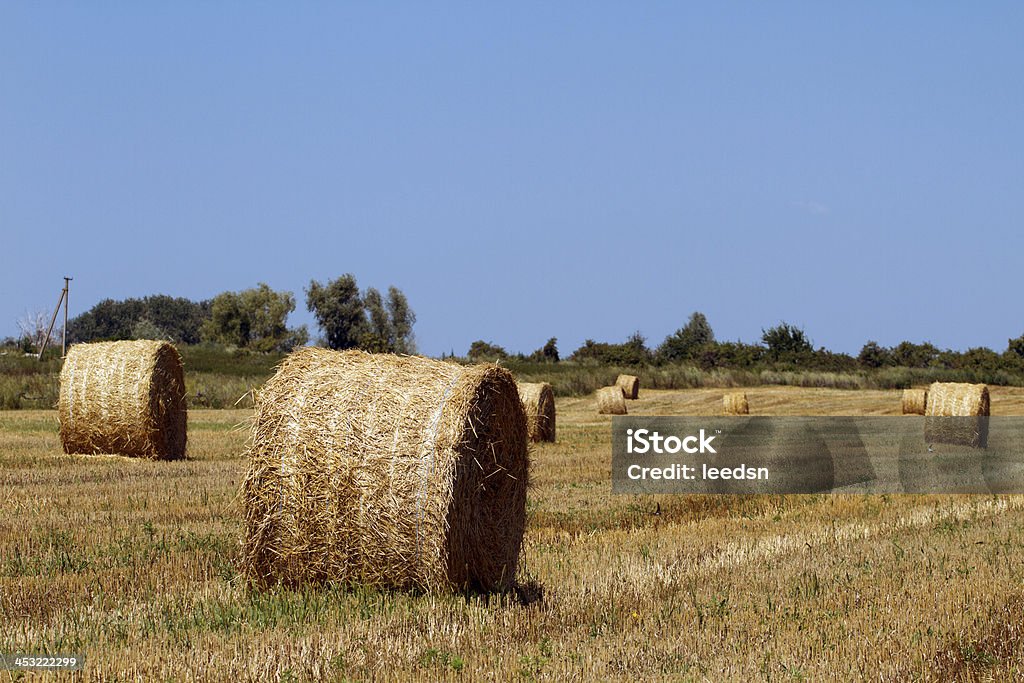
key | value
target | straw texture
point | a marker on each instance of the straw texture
(539, 403)
(610, 401)
(630, 385)
(914, 401)
(736, 404)
(392, 471)
(957, 413)
(125, 397)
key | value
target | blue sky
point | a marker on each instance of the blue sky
(577, 170)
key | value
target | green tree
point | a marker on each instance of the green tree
(378, 320)
(873, 355)
(228, 323)
(633, 351)
(786, 342)
(550, 350)
(483, 351)
(909, 355)
(1016, 346)
(146, 329)
(177, 319)
(388, 327)
(687, 342)
(254, 319)
(402, 321)
(339, 311)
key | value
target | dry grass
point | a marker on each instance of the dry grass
(736, 404)
(134, 563)
(392, 471)
(957, 413)
(630, 386)
(610, 401)
(539, 403)
(957, 399)
(123, 397)
(914, 401)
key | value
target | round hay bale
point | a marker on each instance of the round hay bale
(390, 471)
(124, 397)
(957, 413)
(914, 401)
(736, 404)
(539, 403)
(630, 385)
(610, 401)
(957, 399)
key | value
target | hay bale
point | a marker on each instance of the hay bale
(389, 471)
(125, 397)
(539, 403)
(736, 403)
(914, 401)
(630, 385)
(957, 413)
(610, 401)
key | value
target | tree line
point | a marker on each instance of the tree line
(347, 317)
(782, 346)
(256, 319)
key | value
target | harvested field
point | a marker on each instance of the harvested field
(144, 558)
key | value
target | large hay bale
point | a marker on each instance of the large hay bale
(630, 385)
(957, 413)
(391, 471)
(610, 401)
(914, 401)
(539, 403)
(736, 403)
(124, 397)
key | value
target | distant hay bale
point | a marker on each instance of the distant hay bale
(736, 404)
(957, 413)
(914, 401)
(610, 401)
(539, 402)
(124, 397)
(391, 471)
(630, 386)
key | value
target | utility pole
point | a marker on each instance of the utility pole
(64, 331)
(62, 300)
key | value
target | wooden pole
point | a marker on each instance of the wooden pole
(53, 320)
(64, 332)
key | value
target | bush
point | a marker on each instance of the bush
(480, 351)
(632, 353)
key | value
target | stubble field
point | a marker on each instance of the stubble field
(133, 564)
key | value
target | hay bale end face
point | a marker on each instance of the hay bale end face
(539, 403)
(390, 471)
(957, 413)
(914, 401)
(610, 401)
(630, 385)
(736, 403)
(125, 397)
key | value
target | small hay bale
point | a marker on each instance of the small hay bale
(957, 413)
(610, 401)
(124, 397)
(914, 401)
(630, 385)
(539, 403)
(390, 471)
(736, 403)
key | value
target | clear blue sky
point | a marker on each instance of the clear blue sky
(577, 170)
